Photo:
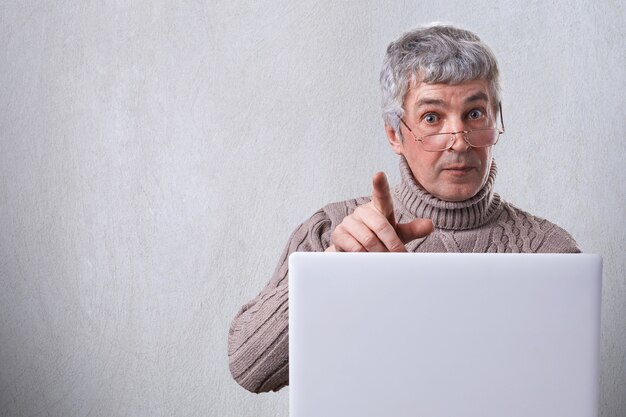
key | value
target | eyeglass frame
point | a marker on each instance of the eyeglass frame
(465, 133)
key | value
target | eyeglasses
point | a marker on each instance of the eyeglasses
(476, 138)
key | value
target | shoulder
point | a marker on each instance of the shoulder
(314, 233)
(331, 215)
(533, 233)
(336, 212)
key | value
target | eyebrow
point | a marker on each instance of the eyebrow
(479, 96)
(429, 101)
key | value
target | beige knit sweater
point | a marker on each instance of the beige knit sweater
(258, 337)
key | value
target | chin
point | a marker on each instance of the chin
(457, 195)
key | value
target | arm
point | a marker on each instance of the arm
(258, 340)
(258, 348)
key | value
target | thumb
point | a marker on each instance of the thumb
(414, 230)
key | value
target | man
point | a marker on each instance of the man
(442, 114)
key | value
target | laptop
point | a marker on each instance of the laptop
(443, 335)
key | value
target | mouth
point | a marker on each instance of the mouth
(459, 170)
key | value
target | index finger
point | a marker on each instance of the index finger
(381, 197)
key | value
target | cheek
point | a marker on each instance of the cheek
(423, 165)
(485, 157)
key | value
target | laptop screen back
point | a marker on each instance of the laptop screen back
(444, 335)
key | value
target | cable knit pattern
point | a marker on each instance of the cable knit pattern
(258, 338)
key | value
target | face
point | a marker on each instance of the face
(461, 171)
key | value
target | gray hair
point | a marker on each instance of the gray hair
(433, 54)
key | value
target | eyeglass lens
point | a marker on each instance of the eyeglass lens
(476, 138)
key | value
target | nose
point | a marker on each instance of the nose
(459, 142)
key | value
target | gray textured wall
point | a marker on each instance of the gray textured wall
(155, 156)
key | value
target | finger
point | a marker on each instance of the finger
(343, 241)
(380, 226)
(414, 230)
(363, 234)
(381, 196)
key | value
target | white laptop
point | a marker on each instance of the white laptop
(443, 335)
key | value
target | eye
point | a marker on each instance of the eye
(475, 114)
(430, 118)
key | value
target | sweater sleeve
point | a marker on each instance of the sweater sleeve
(258, 342)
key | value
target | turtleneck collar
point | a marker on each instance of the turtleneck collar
(452, 215)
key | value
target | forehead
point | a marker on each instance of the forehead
(445, 95)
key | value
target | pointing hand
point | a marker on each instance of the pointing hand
(372, 227)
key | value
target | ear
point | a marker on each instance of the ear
(394, 140)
